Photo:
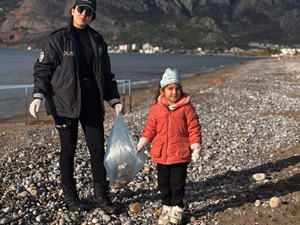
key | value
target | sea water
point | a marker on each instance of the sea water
(143, 70)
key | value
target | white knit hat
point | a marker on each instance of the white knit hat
(170, 76)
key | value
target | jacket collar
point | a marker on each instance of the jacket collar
(91, 31)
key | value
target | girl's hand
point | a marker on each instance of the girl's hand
(196, 147)
(143, 142)
(196, 155)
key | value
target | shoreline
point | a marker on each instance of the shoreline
(17, 122)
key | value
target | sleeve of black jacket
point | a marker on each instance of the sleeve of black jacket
(43, 69)
(111, 89)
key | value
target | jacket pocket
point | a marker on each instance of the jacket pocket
(156, 149)
(183, 148)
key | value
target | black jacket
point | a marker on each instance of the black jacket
(56, 73)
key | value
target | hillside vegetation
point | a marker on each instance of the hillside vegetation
(176, 24)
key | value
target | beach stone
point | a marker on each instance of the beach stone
(257, 203)
(95, 220)
(218, 80)
(23, 194)
(275, 202)
(39, 218)
(123, 218)
(146, 169)
(5, 221)
(157, 212)
(7, 210)
(193, 219)
(259, 176)
(33, 192)
(135, 208)
(128, 222)
(106, 218)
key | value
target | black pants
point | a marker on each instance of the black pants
(171, 183)
(91, 120)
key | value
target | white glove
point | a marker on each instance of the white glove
(143, 142)
(118, 108)
(35, 106)
(196, 147)
(196, 155)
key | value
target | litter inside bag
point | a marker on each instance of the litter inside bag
(121, 161)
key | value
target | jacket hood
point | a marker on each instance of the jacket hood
(184, 100)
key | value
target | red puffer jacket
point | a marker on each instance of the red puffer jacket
(172, 132)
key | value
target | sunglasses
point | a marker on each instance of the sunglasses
(88, 11)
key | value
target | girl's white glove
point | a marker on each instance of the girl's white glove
(118, 108)
(35, 106)
(196, 155)
(143, 142)
(196, 148)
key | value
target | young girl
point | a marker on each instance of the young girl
(173, 129)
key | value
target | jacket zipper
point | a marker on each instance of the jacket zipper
(168, 140)
(77, 73)
(97, 63)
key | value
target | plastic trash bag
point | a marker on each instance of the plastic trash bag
(122, 162)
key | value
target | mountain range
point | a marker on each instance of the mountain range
(173, 24)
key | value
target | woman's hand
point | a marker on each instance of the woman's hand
(35, 106)
(118, 108)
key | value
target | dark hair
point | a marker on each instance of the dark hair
(158, 93)
(74, 6)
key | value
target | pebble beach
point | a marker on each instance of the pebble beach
(250, 117)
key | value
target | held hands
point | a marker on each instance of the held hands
(143, 142)
(35, 106)
(118, 108)
(196, 147)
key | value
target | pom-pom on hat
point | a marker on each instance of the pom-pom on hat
(89, 3)
(170, 76)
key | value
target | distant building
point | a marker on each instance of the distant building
(124, 48)
(236, 49)
(148, 51)
(157, 49)
(199, 51)
(288, 51)
(113, 49)
(147, 46)
(257, 45)
(135, 47)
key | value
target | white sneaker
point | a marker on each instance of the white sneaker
(165, 215)
(176, 215)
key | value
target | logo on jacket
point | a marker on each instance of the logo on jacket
(42, 56)
(68, 53)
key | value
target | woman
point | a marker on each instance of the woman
(73, 74)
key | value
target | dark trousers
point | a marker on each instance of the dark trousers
(91, 121)
(171, 183)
